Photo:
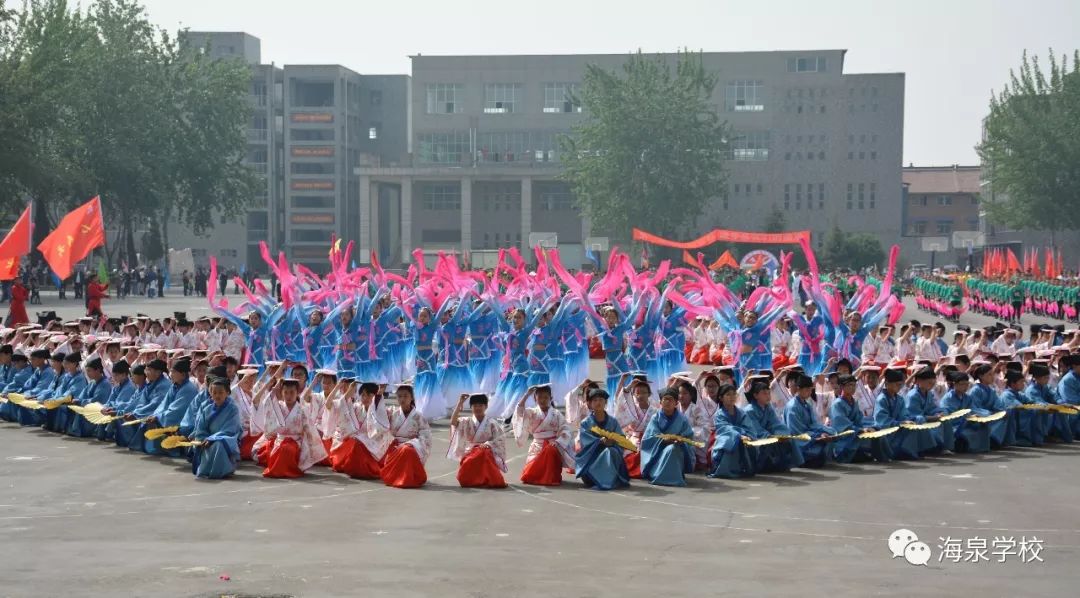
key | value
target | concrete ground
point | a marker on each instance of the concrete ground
(81, 518)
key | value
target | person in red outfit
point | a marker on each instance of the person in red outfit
(476, 442)
(95, 292)
(17, 313)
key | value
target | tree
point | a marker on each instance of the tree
(853, 251)
(1031, 146)
(650, 152)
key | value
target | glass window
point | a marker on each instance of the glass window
(806, 65)
(443, 148)
(554, 197)
(428, 235)
(944, 227)
(373, 131)
(312, 167)
(744, 96)
(918, 228)
(944, 200)
(444, 98)
(873, 195)
(304, 201)
(441, 196)
(850, 195)
(821, 196)
(501, 98)
(303, 235)
(751, 146)
(559, 98)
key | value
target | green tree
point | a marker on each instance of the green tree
(1031, 146)
(853, 251)
(650, 152)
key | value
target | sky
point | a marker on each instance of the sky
(954, 52)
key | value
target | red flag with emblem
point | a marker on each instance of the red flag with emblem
(80, 232)
(15, 245)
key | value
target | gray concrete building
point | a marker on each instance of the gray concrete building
(821, 145)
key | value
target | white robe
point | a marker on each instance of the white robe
(281, 422)
(410, 429)
(543, 427)
(469, 433)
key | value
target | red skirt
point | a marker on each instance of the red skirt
(328, 461)
(688, 350)
(284, 461)
(596, 348)
(354, 459)
(478, 470)
(263, 454)
(545, 469)
(402, 467)
(700, 356)
(247, 443)
(633, 464)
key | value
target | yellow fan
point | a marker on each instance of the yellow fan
(98, 418)
(159, 432)
(134, 422)
(682, 439)
(795, 437)
(1033, 406)
(985, 419)
(619, 439)
(1064, 409)
(31, 404)
(837, 435)
(54, 403)
(878, 433)
(16, 398)
(171, 442)
(926, 426)
(955, 414)
(762, 441)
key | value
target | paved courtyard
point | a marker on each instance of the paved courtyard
(78, 517)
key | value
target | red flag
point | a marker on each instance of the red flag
(15, 245)
(80, 231)
(1049, 263)
(1013, 264)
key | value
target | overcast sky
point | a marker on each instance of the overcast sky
(954, 52)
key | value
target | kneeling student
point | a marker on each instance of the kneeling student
(666, 461)
(477, 444)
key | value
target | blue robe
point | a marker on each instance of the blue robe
(762, 422)
(600, 467)
(143, 404)
(969, 437)
(71, 385)
(843, 416)
(119, 395)
(187, 423)
(1002, 432)
(1068, 392)
(17, 379)
(730, 457)
(40, 384)
(917, 408)
(1058, 425)
(220, 427)
(94, 392)
(1029, 426)
(800, 418)
(906, 444)
(662, 463)
(169, 412)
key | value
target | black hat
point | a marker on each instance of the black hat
(1012, 377)
(290, 383)
(478, 399)
(1038, 370)
(7, 350)
(121, 367)
(925, 374)
(1070, 360)
(598, 393)
(955, 377)
(183, 366)
(139, 370)
(159, 365)
(96, 364)
(18, 357)
(73, 357)
(894, 375)
(180, 315)
(805, 382)
(218, 372)
(42, 354)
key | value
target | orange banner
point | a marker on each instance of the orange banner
(718, 235)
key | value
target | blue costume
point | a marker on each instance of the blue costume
(95, 391)
(169, 412)
(846, 415)
(15, 379)
(600, 467)
(801, 418)
(1030, 426)
(667, 463)
(762, 422)
(71, 385)
(970, 437)
(1002, 431)
(917, 407)
(40, 384)
(119, 395)
(730, 457)
(1068, 390)
(220, 427)
(906, 444)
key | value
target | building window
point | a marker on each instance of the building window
(373, 131)
(787, 196)
(862, 193)
(443, 148)
(821, 196)
(744, 96)
(944, 227)
(974, 200)
(752, 146)
(444, 98)
(428, 235)
(922, 200)
(944, 200)
(304, 201)
(873, 195)
(806, 65)
(851, 155)
(873, 155)
(303, 235)
(554, 197)
(798, 196)
(809, 196)
(501, 98)
(850, 195)
(441, 196)
(918, 228)
(312, 167)
(559, 98)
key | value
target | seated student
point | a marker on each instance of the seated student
(634, 410)
(19, 374)
(664, 461)
(1028, 425)
(97, 391)
(143, 405)
(761, 422)
(729, 455)
(403, 466)
(290, 445)
(357, 447)
(1055, 425)
(846, 415)
(244, 395)
(889, 412)
(698, 418)
(169, 413)
(1068, 388)
(551, 447)
(577, 407)
(920, 407)
(970, 437)
(202, 395)
(477, 444)
(120, 392)
(72, 382)
(800, 415)
(599, 461)
(216, 429)
(985, 398)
